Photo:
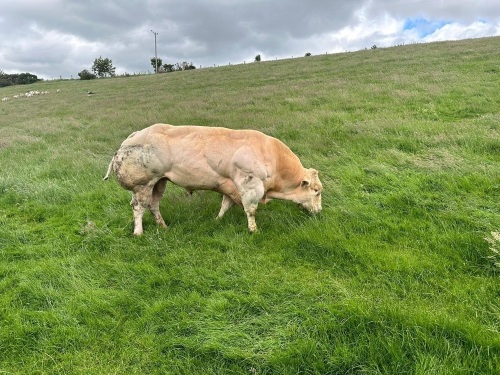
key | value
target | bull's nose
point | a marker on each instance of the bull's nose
(316, 210)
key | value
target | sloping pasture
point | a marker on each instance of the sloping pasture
(395, 275)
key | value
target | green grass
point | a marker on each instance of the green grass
(395, 276)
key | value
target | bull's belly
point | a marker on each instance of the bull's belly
(212, 182)
(193, 182)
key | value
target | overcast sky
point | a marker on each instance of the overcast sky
(59, 38)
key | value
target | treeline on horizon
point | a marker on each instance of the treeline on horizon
(17, 79)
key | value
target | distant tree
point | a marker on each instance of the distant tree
(4, 79)
(184, 66)
(103, 67)
(308, 54)
(26, 78)
(257, 58)
(154, 61)
(168, 68)
(85, 75)
(17, 79)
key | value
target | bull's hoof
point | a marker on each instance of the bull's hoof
(160, 222)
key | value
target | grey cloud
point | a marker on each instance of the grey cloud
(61, 37)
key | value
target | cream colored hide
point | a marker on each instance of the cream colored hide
(245, 166)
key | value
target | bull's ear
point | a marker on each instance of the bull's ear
(310, 175)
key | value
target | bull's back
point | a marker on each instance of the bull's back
(188, 144)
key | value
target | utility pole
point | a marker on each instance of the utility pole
(156, 55)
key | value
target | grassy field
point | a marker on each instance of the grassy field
(396, 276)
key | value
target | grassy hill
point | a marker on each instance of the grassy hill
(395, 276)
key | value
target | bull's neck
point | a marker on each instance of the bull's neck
(289, 173)
(287, 181)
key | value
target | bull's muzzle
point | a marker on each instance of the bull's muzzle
(315, 210)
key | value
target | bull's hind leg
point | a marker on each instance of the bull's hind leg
(138, 209)
(227, 203)
(154, 207)
(141, 199)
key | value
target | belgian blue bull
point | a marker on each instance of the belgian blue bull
(245, 166)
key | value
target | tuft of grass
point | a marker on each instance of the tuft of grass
(394, 276)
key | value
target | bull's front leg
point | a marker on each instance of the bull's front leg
(251, 191)
(227, 203)
(250, 210)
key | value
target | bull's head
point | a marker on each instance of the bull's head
(308, 194)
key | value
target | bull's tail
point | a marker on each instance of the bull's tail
(110, 168)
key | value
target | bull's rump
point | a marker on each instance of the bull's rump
(195, 157)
